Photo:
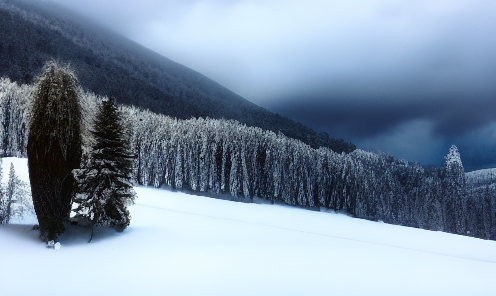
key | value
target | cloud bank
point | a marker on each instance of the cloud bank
(375, 72)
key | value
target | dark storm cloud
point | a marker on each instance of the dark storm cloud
(371, 71)
(451, 114)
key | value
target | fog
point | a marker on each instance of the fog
(409, 77)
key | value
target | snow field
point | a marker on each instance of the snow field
(181, 244)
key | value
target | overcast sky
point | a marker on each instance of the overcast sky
(408, 77)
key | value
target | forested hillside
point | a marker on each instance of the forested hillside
(33, 32)
(227, 157)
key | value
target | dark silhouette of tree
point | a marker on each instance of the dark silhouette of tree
(54, 147)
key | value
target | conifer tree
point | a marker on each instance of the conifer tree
(104, 184)
(15, 197)
(2, 200)
(54, 147)
(454, 191)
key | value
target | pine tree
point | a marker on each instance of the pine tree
(14, 200)
(104, 184)
(454, 191)
(5, 124)
(54, 147)
(2, 200)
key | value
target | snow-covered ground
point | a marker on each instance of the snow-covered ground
(181, 244)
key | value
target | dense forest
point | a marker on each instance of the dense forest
(110, 65)
(227, 157)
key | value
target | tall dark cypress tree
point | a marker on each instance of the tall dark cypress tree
(104, 184)
(54, 147)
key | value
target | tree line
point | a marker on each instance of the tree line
(226, 157)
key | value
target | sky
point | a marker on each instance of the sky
(406, 77)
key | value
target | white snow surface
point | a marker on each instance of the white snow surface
(181, 244)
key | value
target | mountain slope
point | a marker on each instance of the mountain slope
(32, 32)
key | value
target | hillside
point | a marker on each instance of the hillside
(32, 32)
(180, 244)
(482, 177)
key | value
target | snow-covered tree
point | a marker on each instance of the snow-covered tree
(15, 201)
(454, 192)
(2, 202)
(454, 169)
(104, 183)
(13, 117)
(54, 146)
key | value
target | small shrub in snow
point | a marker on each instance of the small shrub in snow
(50, 244)
(53, 245)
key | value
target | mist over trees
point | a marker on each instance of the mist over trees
(113, 66)
(248, 163)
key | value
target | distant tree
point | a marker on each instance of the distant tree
(54, 146)
(454, 191)
(2, 202)
(454, 169)
(104, 183)
(5, 124)
(487, 216)
(14, 202)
